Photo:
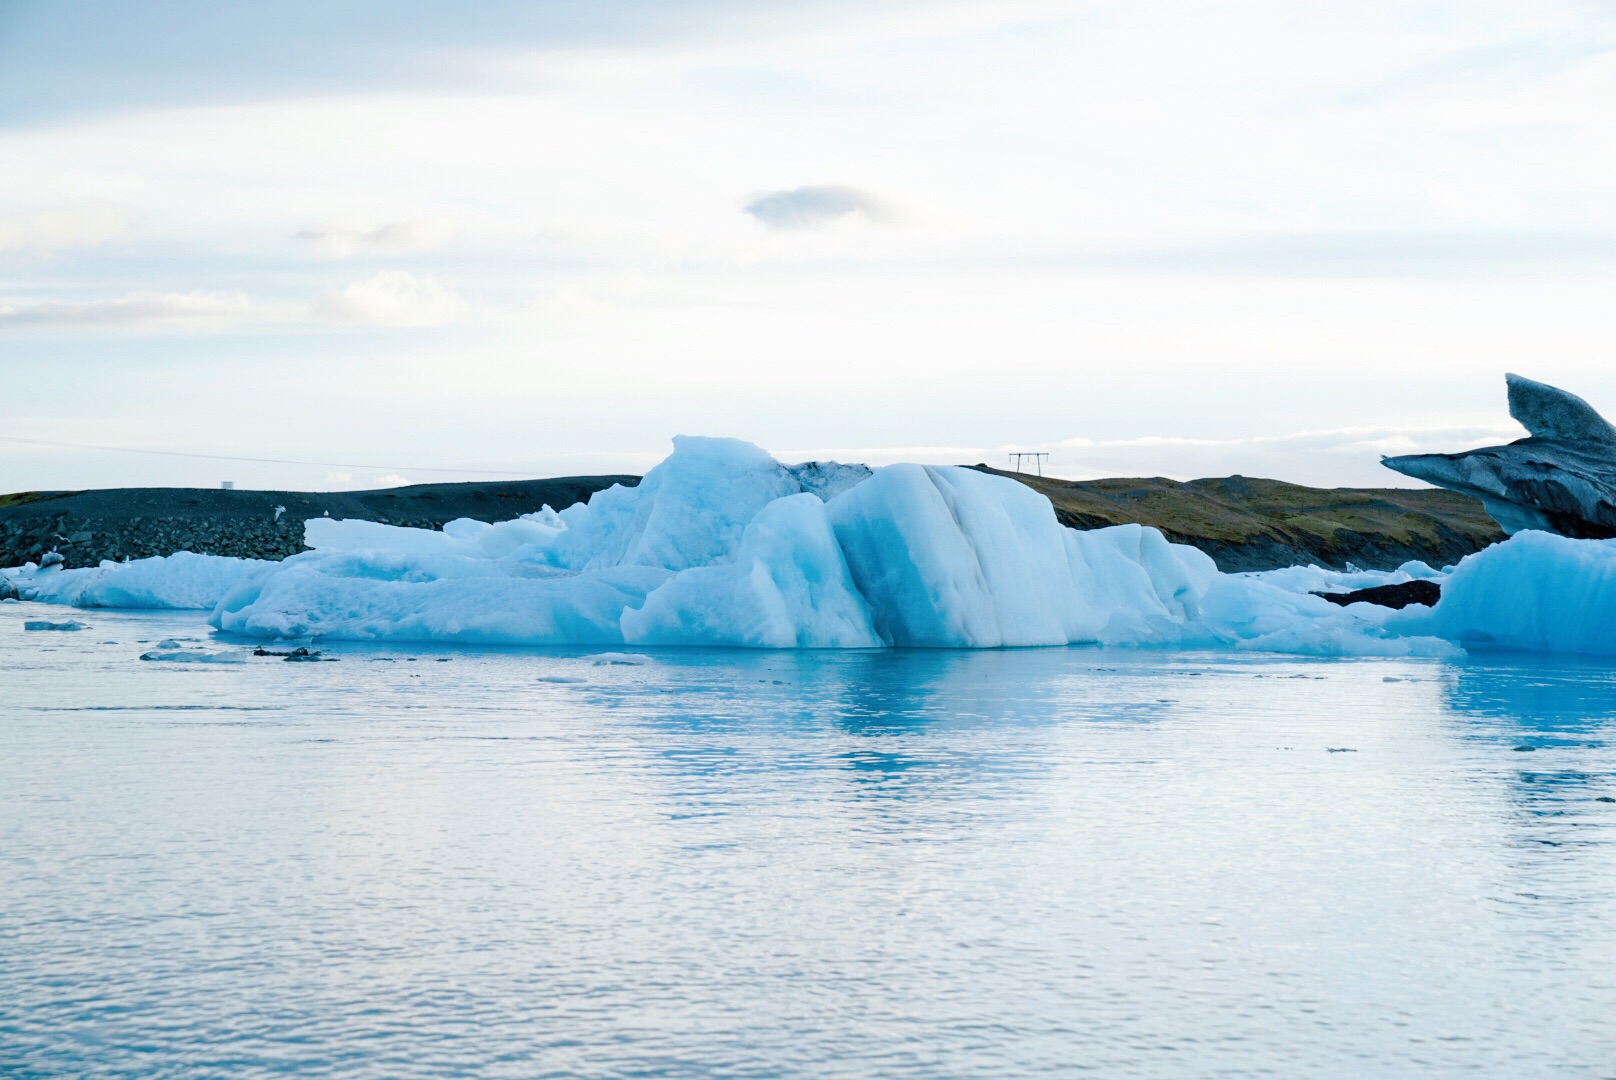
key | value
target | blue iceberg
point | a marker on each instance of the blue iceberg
(722, 545)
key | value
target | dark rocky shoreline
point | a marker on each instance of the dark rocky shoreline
(118, 523)
(1243, 523)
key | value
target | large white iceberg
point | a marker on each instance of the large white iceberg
(722, 545)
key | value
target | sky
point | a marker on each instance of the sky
(364, 245)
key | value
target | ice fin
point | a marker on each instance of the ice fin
(1551, 413)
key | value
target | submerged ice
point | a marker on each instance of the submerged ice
(722, 545)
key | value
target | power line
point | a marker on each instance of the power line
(257, 460)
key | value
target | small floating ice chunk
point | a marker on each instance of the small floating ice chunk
(564, 679)
(618, 659)
(43, 624)
(192, 656)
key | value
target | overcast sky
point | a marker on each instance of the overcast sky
(1150, 238)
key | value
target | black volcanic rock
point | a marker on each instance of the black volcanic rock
(1392, 596)
(1561, 478)
(86, 527)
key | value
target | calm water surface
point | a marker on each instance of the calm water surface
(1063, 861)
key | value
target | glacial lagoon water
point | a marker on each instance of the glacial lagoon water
(746, 864)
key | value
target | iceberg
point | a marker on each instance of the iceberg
(721, 545)
(1536, 591)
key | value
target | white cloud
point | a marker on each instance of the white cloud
(342, 239)
(391, 298)
(188, 310)
(61, 228)
(816, 206)
(571, 302)
(342, 480)
(1344, 437)
(1347, 457)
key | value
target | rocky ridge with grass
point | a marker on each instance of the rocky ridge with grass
(1247, 523)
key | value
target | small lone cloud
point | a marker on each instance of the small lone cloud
(61, 228)
(343, 239)
(191, 310)
(391, 298)
(815, 207)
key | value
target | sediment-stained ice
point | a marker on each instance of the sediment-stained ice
(722, 545)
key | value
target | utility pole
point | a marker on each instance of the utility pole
(1017, 456)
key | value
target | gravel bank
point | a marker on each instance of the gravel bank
(118, 523)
